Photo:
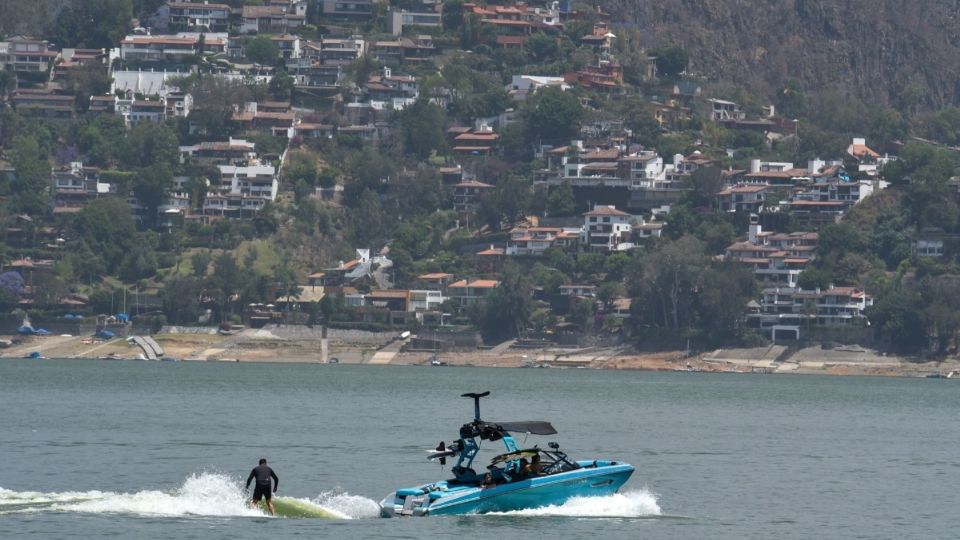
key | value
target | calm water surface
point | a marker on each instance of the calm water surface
(158, 450)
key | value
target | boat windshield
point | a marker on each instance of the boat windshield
(548, 462)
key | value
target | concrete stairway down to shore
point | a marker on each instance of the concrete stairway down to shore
(387, 353)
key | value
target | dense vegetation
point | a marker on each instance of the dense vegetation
(392, 194)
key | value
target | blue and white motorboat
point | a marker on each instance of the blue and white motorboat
(515, 480)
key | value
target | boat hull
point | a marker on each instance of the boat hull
(439, 499)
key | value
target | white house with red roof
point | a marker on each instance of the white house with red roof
(785, 310)
(607, 229)
(469, 291)
(775, 258)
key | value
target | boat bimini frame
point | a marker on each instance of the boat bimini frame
(467, 446)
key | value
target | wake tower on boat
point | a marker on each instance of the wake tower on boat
(466, 447)
(509, 481)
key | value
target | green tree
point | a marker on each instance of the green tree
(590, 263)
(665, 282)
(561, 260)
(716, 233)
(814, 278)
(581, 313)
(33, 172)
(548, 279)
(226, 281)
(216, 98)
(327, 178)
(706, 183)
(103, 140)
(181, 299)
(608, 291)
(642, 122)
(85, 81)
(369, 221)
(561, 200)
(152, 186)
(368, 169)
(106, 228)
(282, 85)
(616, 265)
(509, 203)
(840, 238)
(721, 302)
(138, 263)
(151, 145)
(362, 68)
(897, 321)
(552, 115)
(98, 24)
(302, 166)
(922, 162)
(422, 126)
(452, 15)
(418, 192)
(542, 48)
(505, 311)
(87, 265)
(261, 50)
(671, 60)
(285, 280)
(200, 262)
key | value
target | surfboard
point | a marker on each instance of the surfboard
(298, 508)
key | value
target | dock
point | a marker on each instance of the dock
(151, 349)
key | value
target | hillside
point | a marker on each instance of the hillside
(886, 51)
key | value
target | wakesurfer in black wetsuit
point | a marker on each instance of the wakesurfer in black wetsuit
(261, 489)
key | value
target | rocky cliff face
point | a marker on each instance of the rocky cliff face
(898, 52)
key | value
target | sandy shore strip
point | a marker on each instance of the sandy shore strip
(264, 346)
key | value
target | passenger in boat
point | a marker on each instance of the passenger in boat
(524, 470)
(261, 489)
(536, 468)
(488, 481)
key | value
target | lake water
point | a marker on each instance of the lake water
(159, 450)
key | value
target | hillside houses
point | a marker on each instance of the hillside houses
(607, 229)
(522, 86)
(320, 134)
(178, 49)
(44, 104)
(403, 50)
(594, 167)
(775, 258)
(28, 56)
(535, 241)
(196, 16)
(742, 198)
(814, 197)
(425, 15)
(470, 291)
(232, 151)
(276, 16)
(241, 191)
(75, 185)
(347, 10)
(786, 312)
(468, 193)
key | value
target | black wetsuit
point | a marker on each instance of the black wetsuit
(263, 474)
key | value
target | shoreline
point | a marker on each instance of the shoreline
(263, 348)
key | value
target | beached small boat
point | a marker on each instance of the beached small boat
(515, 480)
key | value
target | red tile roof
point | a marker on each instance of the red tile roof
(606, 211)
